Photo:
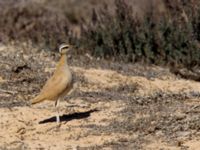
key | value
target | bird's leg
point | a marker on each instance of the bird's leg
(57, 111)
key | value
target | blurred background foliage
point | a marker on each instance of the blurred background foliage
(148, 31)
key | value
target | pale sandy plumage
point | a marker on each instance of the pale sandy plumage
(60, 83)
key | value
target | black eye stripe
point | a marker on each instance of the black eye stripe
(63, 47)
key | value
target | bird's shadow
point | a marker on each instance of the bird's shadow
(69, 117)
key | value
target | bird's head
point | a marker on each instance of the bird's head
(64, 48)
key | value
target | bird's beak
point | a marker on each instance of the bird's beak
(71, 47)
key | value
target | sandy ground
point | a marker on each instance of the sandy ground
(113, 106)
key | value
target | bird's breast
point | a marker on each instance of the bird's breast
(67, 75)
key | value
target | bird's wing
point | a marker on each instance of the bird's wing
(54, 87)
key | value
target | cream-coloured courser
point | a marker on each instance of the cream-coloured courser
(59, 84)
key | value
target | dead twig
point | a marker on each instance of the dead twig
(8, 92)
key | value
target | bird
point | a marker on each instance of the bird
(59, 84)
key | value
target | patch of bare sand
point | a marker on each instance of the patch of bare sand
(193, 144)
(19, 126)
(99, 79)
(157, 144)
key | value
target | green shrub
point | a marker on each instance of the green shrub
(168, 40)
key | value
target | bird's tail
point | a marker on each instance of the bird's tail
(37, 99)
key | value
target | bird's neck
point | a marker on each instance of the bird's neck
(63, 61)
